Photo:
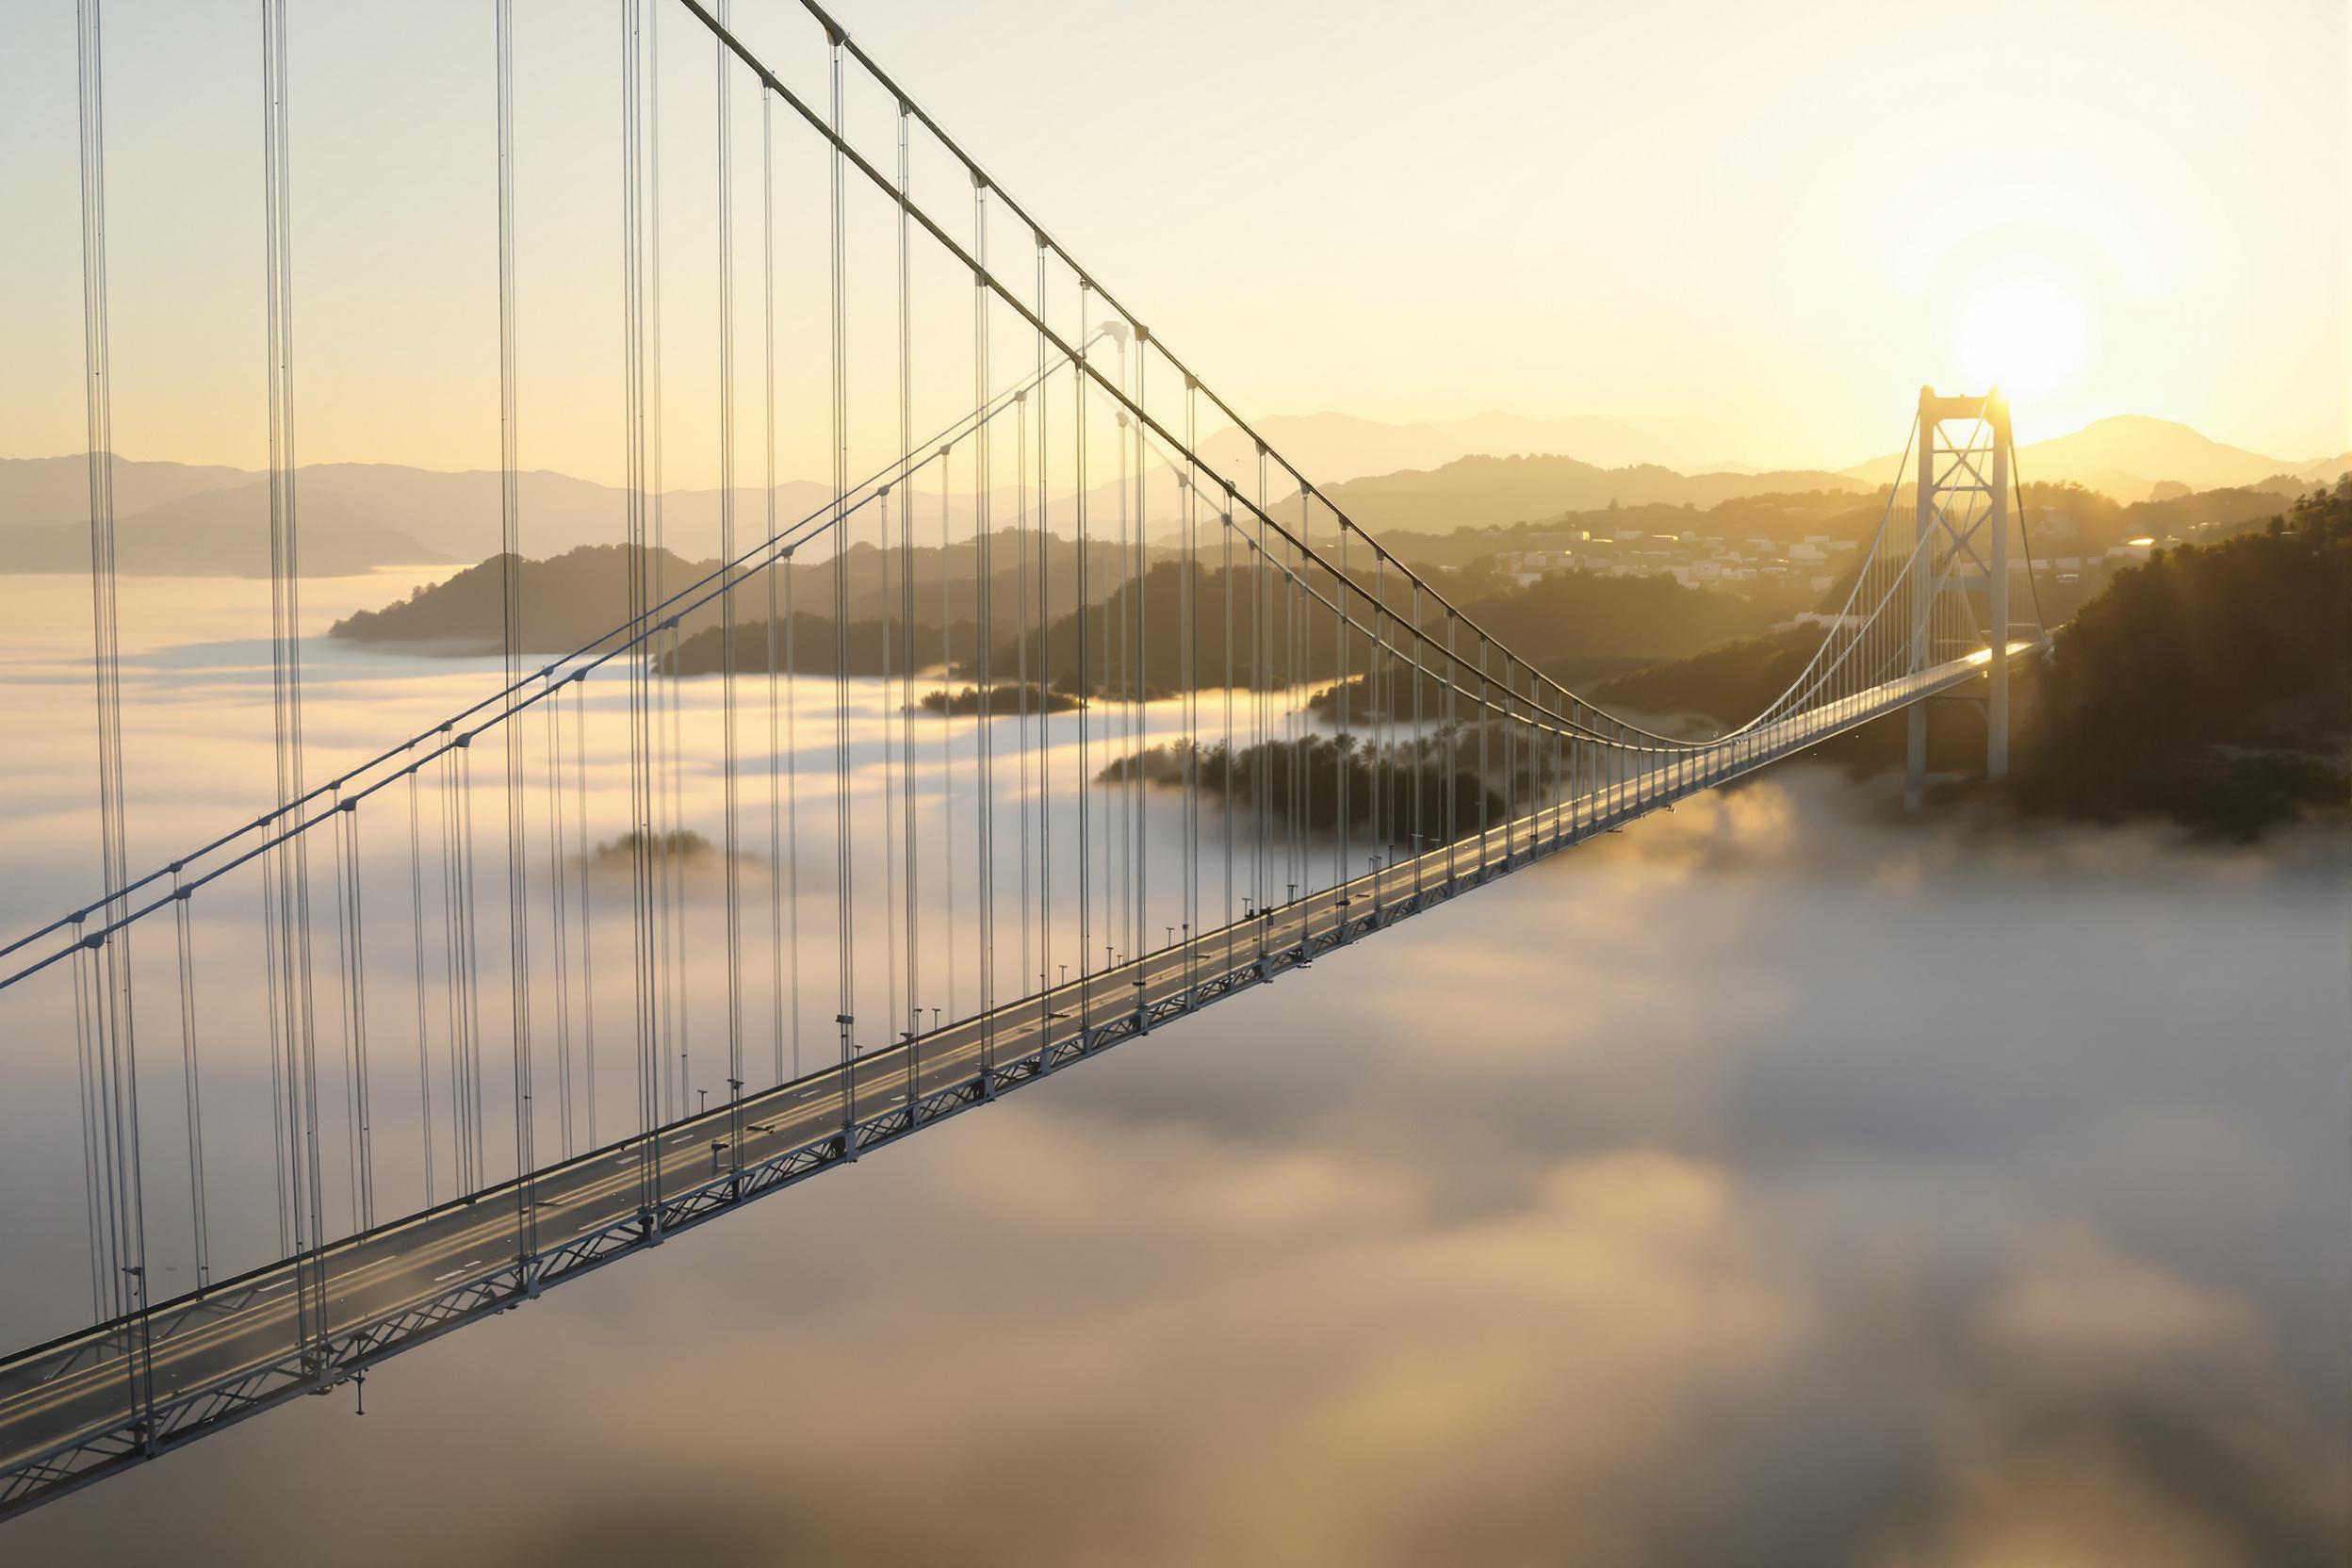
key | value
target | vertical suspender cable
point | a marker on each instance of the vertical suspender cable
(278, 908)
(1421, 762)
(1452, 826)
(1045, 670)
(510, 626)
(97, 1197)
(1190, 902)
(1139, 937)
(1023, 742)
(792, 808)
(885, 611)
(1259, 749)
(274, 1014)
(1294, 661)
(113, 1037)
(643, 909)
(1115, 658)
(843, 889)
(417, 953)
(659, 692)
(985, 733)
(775, 569)
(669, 840)
(1086, 688)
(454, 968)
(365, 1119)
(777, 566)
(1225, 602)
(346, 969)
(560, 910)
(1517, 749)
(947, 713)
(946, 730)
(1383, 679)
(587, 922)
(1142, 941)
(84, 1086)
(301, 1145)
(1486, 708)
(897, 796)
(1340, 741)
(729, 830)
(199, 1220)
(558, 913)
(472, 1002)
(911, 847)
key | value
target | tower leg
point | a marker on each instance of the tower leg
(1997, 713)
(1915, 756)
(1925, 559)
(1996, 599)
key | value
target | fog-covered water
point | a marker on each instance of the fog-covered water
(1773, 1182)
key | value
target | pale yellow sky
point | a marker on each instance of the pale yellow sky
(1753, 231)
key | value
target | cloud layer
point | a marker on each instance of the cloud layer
(1770, 1182)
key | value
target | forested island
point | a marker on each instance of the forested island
(2210, 684)
(1169, 635)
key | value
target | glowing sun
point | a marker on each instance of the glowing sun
(2023, 334)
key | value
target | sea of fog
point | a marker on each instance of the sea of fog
(1775, 1182)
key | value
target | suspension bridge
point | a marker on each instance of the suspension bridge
(1085, 732)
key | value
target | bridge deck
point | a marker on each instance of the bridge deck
(80, 1407)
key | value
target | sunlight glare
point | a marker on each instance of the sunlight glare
(2023, 335)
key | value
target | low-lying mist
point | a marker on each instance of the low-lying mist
(1772, 1182)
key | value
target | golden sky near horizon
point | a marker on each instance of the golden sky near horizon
(1751, 231)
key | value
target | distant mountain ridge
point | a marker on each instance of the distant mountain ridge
(1333, 449)
(176, 519)
(2127, 456)
(1476, 492)
(222, 532)
(186, 519)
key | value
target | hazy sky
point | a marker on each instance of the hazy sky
(1751, 230)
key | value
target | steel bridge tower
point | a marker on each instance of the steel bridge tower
(1960, 534)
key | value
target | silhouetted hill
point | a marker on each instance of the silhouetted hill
(564, 603)
(1728, 684)
(2212, 685)
(1572, 626)
(583, 593)
(2107, 451)
(2071, 518)
(1568, 625)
